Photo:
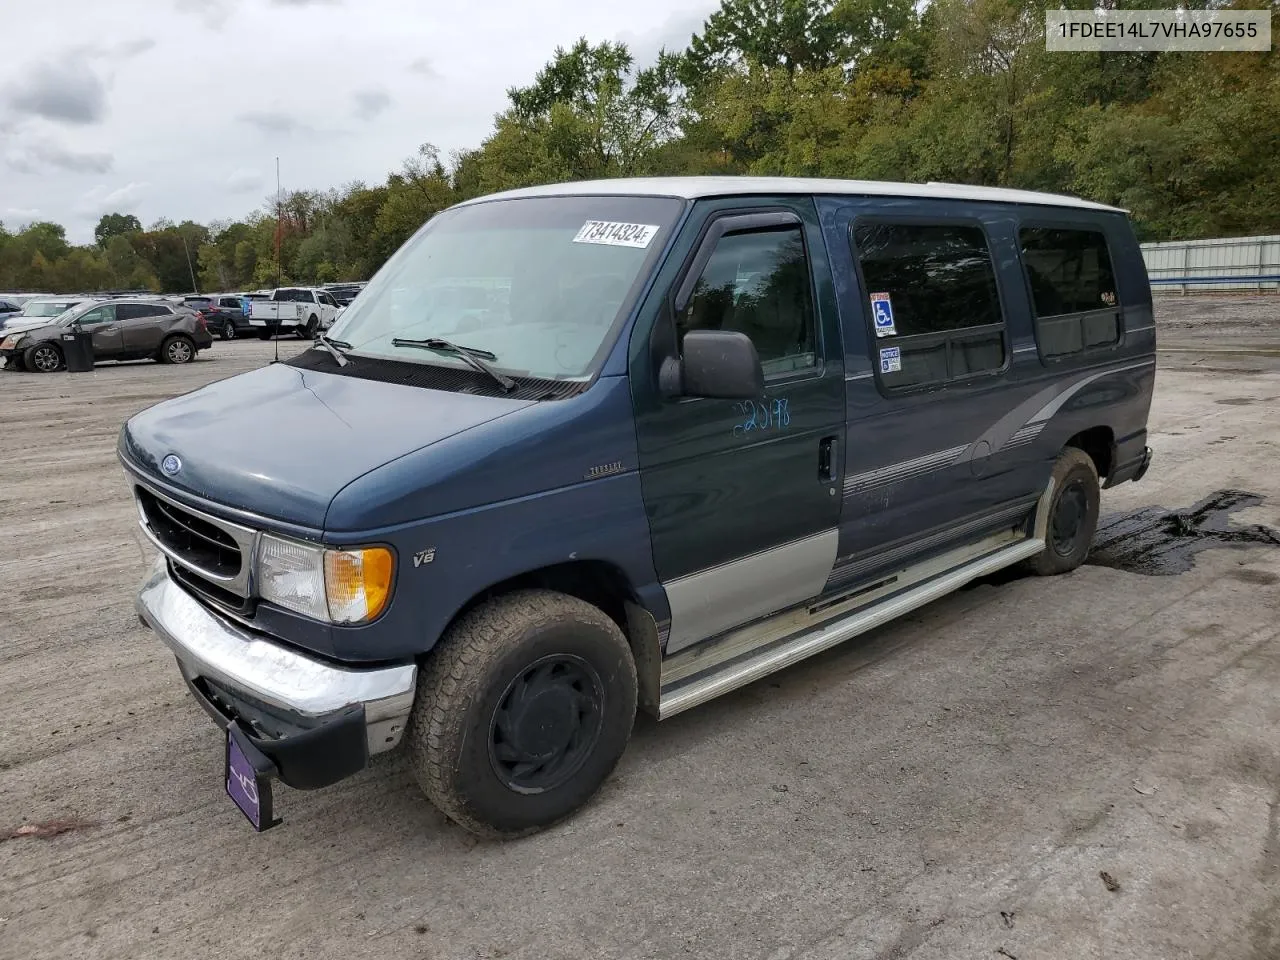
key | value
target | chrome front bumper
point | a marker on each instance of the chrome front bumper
(212, 647)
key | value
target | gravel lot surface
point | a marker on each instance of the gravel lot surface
(1079, 767)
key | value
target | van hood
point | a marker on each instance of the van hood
(281, 441)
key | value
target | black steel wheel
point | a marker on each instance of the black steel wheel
(1072, 514)
(522, 712)
(546, 724)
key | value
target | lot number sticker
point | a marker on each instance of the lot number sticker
(890, 360)
(616, 234)
(882, 314)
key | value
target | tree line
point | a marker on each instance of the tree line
(958, 90)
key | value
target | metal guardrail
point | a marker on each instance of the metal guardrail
(1262, 279)
(1214, 265)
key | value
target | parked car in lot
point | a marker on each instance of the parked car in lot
(8, 307)
(689, 431)
(38, 311)
(303, 311)
(223, 313)
(121, 330)
(343, 293)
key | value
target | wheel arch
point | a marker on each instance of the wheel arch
(602, 584)
(1100, 444)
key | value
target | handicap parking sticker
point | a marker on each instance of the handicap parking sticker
(882, 314)
(890, 360)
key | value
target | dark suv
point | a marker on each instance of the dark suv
(121, 330)
(223, 313)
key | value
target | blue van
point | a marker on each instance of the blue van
(583, 448)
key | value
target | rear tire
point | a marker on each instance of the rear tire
(264, 334)
(43, 358)
(1073, 514)
(229, 330)
(309, 331)
(177, 349)
(522, 712)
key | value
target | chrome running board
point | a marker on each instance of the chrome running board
(714, 667)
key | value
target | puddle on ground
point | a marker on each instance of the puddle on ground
(1158, 542)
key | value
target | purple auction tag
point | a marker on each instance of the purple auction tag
(242, 783)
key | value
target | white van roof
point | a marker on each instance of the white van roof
(690, 188)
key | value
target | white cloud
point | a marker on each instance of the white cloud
(370, 103)
(424, 67)
(21, 215)
(245, 180)
(43, 156)
(190, 114)
(100, 200)
(66, 92)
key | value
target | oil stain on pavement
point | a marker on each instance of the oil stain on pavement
(1158, 542)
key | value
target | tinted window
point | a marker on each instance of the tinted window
(1071, 280)
(758, 284)
(230, 302)
(937, 277)
(934, 289)
(135, 311)
(1069, 271)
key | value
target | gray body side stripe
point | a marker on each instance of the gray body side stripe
(1019, 426)
(711, 601)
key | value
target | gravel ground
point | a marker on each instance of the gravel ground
(955, 785)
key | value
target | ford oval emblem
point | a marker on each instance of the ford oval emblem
(170, 465)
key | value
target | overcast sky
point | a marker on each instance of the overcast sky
(178, 108)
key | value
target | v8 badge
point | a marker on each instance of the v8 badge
(425, 556)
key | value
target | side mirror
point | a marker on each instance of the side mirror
(720, 364)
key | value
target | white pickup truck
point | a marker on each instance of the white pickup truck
(304, 311)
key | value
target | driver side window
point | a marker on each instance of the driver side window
(102, 314)
(757, 283)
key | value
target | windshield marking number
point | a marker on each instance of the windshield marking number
(615, 234)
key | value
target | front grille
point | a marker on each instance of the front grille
(189, 539)
(218, 596)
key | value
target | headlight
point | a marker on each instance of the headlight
(341, 586)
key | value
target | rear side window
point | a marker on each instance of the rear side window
(136, 311)
(934, 304)
(1073, 289)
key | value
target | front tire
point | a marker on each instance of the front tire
(1073, 514)
(522, 712)
(42, 358)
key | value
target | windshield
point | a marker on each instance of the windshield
(537, 282)
(46, 308)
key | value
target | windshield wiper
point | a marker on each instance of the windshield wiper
(474, 357)
(332, 347)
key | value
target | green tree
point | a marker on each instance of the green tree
(115, 225)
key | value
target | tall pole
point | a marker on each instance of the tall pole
(279, 226)
(195, 287)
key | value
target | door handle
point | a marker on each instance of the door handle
(827, 449)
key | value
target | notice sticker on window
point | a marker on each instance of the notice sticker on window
(882, 314)
(616, 234)
(890, 360)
